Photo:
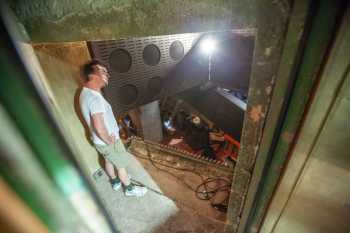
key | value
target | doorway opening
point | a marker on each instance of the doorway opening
(180, 101)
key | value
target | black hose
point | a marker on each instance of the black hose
(202, 191)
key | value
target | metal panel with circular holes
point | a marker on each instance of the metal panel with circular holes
(138, 66)
(142, 69)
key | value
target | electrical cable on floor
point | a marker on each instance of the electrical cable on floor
(202, 191)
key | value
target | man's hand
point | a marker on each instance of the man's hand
(101, 130)
(112, 139)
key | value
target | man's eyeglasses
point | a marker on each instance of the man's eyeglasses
(102, 70)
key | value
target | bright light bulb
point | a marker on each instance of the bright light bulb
(208, 46)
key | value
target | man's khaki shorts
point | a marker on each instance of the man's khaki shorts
(115, 154)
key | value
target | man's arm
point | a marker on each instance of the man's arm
(100, 128)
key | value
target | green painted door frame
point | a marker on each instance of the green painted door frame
(305, 187)
(303, 60)
(35, 160)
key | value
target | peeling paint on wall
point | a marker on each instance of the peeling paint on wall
(256, 113)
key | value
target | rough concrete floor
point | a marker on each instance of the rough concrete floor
(176, 190)
(158, 214)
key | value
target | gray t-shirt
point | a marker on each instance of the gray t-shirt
(92, 102)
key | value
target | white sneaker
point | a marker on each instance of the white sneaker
(136, 191)
(116, 186)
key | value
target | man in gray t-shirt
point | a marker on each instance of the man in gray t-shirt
(104, 131)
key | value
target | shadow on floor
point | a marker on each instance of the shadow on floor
(186, 221)
(152, 213)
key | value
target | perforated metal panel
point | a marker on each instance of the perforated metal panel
(120, 60)
(135, 63)
(151, 55)
(127, 94)
(139, 80)
(176, 50)
(155, 85)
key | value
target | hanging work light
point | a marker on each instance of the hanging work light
(208, 46)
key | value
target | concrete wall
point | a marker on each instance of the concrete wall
(77, 20)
